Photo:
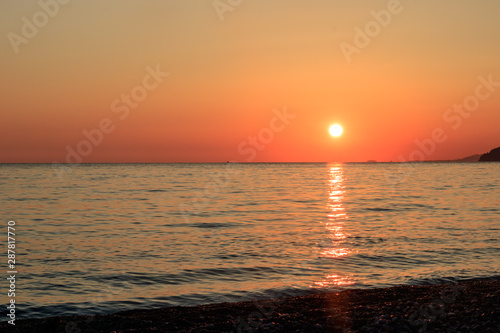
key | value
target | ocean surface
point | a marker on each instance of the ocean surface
(100, 238)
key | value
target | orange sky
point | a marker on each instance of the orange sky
(236, 71)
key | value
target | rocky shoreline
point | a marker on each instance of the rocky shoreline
(466, 306)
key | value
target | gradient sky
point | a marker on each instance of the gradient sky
(229, 78)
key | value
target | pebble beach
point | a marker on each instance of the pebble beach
(466, 306)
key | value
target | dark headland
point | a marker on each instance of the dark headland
(492, 156)
(466, 306)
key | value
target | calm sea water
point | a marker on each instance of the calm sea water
(103, 238)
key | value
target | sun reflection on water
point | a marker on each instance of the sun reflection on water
(334, 280)
(337, 214)
(335, 225)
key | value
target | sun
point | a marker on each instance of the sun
(336, 130)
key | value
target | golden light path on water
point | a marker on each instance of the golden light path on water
(335, 225)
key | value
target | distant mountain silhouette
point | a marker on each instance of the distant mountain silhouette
(492, 156)
(472, 158)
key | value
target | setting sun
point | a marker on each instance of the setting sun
(336, 130)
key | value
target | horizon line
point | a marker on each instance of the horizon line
(235, 162)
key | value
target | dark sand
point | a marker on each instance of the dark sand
(468, 306)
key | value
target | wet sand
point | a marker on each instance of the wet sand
(468, 306)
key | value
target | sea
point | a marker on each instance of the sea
(101, 238)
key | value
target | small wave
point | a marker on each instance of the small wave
(188, 276)
(207, 225)
(31, 199)
(379, 209)
(212, 225)
(489, 210)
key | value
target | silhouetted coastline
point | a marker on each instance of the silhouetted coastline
(492, 156)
